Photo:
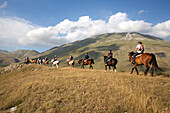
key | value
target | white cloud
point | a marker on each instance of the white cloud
(4, 5)
(19, 32)
(161, 30)
(141, 11)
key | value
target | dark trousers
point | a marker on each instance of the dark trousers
(134, 56)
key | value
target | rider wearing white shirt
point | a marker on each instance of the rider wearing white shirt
(139, 49)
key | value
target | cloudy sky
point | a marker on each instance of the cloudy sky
(43, 24)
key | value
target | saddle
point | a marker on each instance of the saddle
(85, 60)
(139, 54)
(109, 59)
(70, 62)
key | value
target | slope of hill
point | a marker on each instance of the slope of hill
(98, 46)
(42, 89)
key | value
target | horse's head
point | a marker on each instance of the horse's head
(130, 55)
(80, 61)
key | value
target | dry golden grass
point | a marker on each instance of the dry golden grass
(42, 89)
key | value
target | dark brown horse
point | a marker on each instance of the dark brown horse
(144, 59)
(86, 62)
(111, 63)
(27, 61)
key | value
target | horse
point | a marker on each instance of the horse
(45, 62)
(88, 62)
(55, 63)
(39, 61)
(144, 59)
(111, 62)
(70, 63)
(27, 61)
(33, 61)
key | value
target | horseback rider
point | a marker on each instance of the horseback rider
(70, 58)
(27, 59)
(86, 57)
(109, 56)
(46, 59)
(55, 58)
(139, 50)
(39, 58)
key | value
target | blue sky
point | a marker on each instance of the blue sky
(50, 12)
(41, 19)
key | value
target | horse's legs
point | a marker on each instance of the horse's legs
(137, 70)
(134, 66)
(151, 69)
(109, 68)
(105, 68)
(91, 66)
(114, 68)
(147, 68)
(132, 71)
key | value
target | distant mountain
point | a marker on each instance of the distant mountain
(119, 43)
(23, 53)
(6, 58)
(3, 52)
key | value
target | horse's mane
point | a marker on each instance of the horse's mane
(132, 53)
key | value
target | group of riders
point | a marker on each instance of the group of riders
(139, 50)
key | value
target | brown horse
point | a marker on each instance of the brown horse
(46, 63)
(33, 61)
(112, 62)
(144, 59)
(86, 62)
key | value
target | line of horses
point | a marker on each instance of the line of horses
(144, 59)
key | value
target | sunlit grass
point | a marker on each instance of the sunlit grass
(36, 88)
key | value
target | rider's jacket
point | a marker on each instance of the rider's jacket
(71, 58)
(55, 58)
(140, 48)
(86, 57)
(109, 54)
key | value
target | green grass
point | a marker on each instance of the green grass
(41, 89)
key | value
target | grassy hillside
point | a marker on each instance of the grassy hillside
(98, 46)
(35, 88)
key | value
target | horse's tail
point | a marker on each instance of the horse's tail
(92, 61)
(115, 61)
(154, 62)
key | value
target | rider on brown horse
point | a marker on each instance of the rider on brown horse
(139, 50)
(70, 58)
(27, 60)
(86, 57)
(109, 56)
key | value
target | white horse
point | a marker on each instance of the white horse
(55, 62)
